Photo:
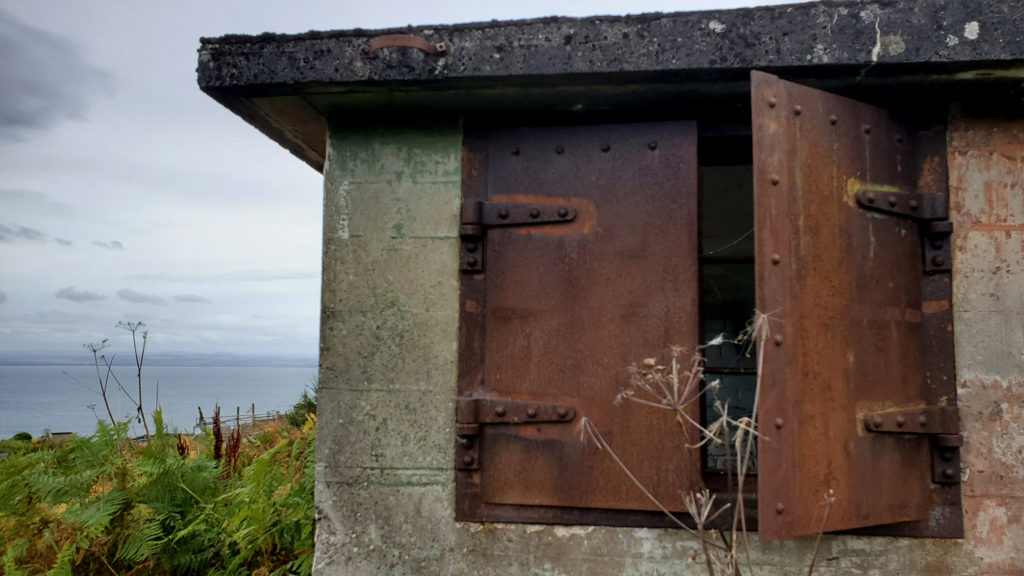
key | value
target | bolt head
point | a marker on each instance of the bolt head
(869, 197)
(534, 213)
(779, 423)
(779, 508)
(947, 455)
(779, 339)
(499, 411)
(606, 147)
(876, 421)
(559, 149)
(938, 261)
(472, 262)
(503, 213)
(653, 145)
(772, 102)
(562, 412)
(468, 459)
(833, 119)
(797, 110)
(775, 179)
(922, 421)
(776, 259)
(900, 421)
(531, 412)
(867, 129)
(948, 473)
(563, 212)
(472, 247)
(515, 151)
(914, 204)
(893, 201)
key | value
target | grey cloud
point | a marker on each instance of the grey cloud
(70, 293)
(112, 245)
(138, 297)
(43, 79)
(15, 232)
(3, 297)
(33, 202)
(62, 241)
(190, 298)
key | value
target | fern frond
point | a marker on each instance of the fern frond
(142, 542)
(64, 564)
(14, 551)
(94, 516)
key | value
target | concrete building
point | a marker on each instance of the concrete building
(516, 212)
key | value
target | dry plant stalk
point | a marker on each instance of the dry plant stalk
(218, 435)
(231, 455)
(675, 387)
(184, 448)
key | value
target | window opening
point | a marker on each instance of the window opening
(727, 286)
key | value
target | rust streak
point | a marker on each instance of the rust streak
(933, 306)
(997, 228)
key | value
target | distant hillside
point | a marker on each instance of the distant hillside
(173, 359)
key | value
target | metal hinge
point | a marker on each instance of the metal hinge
(940, 423)
(930, 211)
(478, 215)
(474, 412)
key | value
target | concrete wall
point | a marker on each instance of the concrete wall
(385, 484)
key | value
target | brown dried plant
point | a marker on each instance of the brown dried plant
(184, 446)
(218, 435)
(675, 386)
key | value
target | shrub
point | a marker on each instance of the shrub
(102, 504)
(305, 407)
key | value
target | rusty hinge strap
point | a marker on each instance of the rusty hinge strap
(471, 413)
(940, 423)
(477, 215)
(475, 411)
(378, 43)
(492, 214)
(931, 211)
(913, 205)
(930, 420)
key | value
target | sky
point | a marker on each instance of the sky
(128, 194)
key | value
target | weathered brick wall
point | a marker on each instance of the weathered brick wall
(986, 165)
(385, 485)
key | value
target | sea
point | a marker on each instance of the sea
(65, 398)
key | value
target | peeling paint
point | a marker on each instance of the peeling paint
(894, 44)
(971, 30)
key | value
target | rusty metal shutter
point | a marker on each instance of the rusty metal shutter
(851, 314)
(579, 257)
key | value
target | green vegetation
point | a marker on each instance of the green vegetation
(305, 407)
(109, 505)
